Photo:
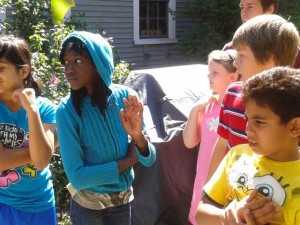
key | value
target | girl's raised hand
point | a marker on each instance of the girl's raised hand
(25, 97)
(132, 116)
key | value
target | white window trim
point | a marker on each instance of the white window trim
(136, 26)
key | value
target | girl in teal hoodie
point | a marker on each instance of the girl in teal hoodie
(95, 123)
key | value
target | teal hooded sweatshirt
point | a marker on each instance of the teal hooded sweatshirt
(90, 145)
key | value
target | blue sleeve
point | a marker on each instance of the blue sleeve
(147, 160)
(80, 175)
(47, 110)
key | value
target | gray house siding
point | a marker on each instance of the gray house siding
(115, 17)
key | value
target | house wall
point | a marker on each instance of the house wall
(115, 17)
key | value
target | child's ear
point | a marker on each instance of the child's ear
(234, 77)
(24, 71)
(270, 10)
(295, 127)
(270, 62)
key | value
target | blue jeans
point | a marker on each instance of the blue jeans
(118, 215)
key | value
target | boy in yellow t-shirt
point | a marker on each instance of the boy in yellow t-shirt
(259, 182)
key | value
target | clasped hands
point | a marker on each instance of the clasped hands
(250, 211)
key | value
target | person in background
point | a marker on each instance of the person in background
(27, 127)
(251, 8)
(201, 126)
(94, 123)
(261, 178)
(263, 42)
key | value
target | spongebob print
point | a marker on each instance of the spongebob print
(242, 171)
(243, 177)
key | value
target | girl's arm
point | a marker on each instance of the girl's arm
(10, 158)
(14, 157)
(41, 141)
(192, 131)
(129, 160)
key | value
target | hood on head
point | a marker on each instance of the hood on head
(101, 53)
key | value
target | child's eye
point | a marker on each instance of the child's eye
(78, 61)
(259, 122)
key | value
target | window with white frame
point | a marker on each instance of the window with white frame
(154, 22)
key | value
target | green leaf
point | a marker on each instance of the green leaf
(59, 8)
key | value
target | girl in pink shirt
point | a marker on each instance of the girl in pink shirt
(203, 120)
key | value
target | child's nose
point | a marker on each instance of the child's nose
(68, 69)
(248, 129)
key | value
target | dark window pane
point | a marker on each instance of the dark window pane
(143, 10)
(154, 19)
(152, 9)
(162, 26)
(143, 28)
(163, 10)
(152, 24)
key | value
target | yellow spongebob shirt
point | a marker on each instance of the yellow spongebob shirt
(242, 171)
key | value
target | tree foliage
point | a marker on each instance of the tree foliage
(290, 11)
(215, 21)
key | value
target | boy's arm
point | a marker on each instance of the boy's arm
(218, 154)
(207, 213)
(248, 211)
(259, 211)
